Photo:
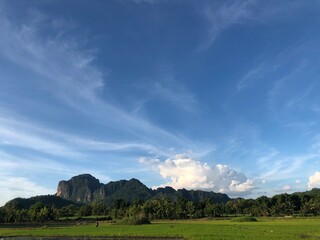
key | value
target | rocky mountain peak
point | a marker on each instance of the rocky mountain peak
(85, 188)
(80, 188)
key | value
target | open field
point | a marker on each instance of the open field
(265, 228)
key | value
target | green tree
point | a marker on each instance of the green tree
(84, 210)
(3, 215)
(211, 209)
(99, 208)
(46, 214)
(34, 211)
(180, 208)
(263, 204)
(118, 209)
(191, 209)
(150, 209)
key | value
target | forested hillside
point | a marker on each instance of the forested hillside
(128, 199)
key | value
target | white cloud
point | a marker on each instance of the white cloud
(283, 167)
(12, 187)
(286, 188)
(13, 164)
(185, 172)
(222, 17)
(18, 138)
(59, 60)
(252, 76)
(314, 181)
(26, 135)
(230, 13)
(177, 96)
(16, 173)
(67, 73)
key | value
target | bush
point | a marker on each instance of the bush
(244, 219)
(134, 221)
(103, 218)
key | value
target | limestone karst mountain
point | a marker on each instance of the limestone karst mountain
(86, 188)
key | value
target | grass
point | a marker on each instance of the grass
(265, 228)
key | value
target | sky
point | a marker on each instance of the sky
(220, 96)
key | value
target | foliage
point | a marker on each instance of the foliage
(296, 204)
(135, 220)
(48, 200)
(244, 219)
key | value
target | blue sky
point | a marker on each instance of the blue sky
(214, 95)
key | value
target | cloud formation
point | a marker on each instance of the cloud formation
(22, 134)
(222, 17)
(185, 172)
(68, 73)
(59, 60)
(177, 96)
(314, 181)
(12, 187)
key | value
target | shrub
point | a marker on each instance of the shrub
(244, 219)
(134, 220)
(103, 218)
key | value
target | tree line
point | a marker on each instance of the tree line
(299, 204)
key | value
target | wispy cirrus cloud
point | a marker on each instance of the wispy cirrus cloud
(59, 60)
(275, 63)
(64, 70)
(10, 163)
(221, 17)
(253, 75)
(24, 134)
(27, 165)
(67, 73)
(177, 96)
(284, 167)
(19, 137)
(286, 78)
(266, 163)
(19, 175)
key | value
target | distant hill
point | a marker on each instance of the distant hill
(86, 189)
(48, 200)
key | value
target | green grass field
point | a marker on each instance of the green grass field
(265, 228)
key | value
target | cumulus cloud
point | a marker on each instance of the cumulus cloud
(314, 181)
(185, 172)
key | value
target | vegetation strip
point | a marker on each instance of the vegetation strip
(131, 202)
(265, 228)
(90, 238)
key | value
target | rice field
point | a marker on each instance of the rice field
(265, 228)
